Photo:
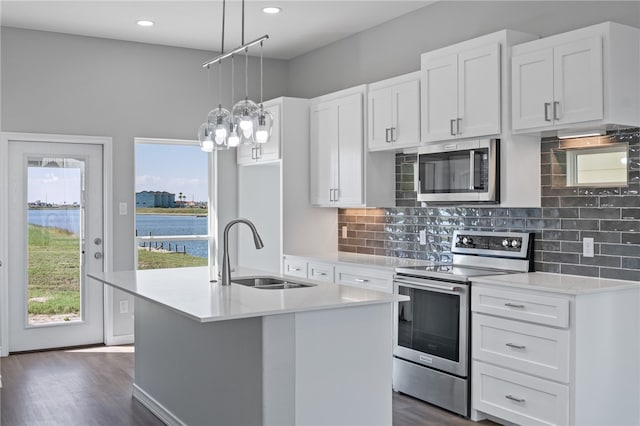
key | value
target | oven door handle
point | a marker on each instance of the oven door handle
(417, 284)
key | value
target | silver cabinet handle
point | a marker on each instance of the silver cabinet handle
(295, 269)
(360, 280)
(331, 194)
(336, 194)
(452, 122)
(322, 273)
(458, 123)
(513, 345)
(393, 134)
(472, 170)
(514, 399)
(556, 107)
(546, 111)
(513, 305)
(387, 138)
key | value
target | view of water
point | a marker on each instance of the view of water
(156, 224)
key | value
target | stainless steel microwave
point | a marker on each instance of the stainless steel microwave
(461, 171)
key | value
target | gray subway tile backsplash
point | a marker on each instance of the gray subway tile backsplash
(609, 215)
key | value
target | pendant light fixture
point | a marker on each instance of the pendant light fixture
(246, 123)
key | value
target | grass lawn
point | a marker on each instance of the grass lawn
(174, 211)
(54, 269)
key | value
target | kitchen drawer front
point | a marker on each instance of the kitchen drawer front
(371, 280)
(541, 309)
(320, 271)
(295, 267)
(530, 348)
(517, 397)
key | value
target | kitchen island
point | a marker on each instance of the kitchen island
(208, 354)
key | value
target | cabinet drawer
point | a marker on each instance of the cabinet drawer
(530, 348)
(364, 278)
(295, 267)
(519, 398)
(535, 308)
(320, 271)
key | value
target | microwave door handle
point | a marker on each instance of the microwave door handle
(472, 170)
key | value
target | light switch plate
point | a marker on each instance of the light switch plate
(124, 306)
(423, 237)
(123, 209)
(587, 247)
(344, 231)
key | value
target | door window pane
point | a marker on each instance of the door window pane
(55, 229)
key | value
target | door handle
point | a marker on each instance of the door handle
(97, 241)
(98, 255)
(556, 107)
(546, 111)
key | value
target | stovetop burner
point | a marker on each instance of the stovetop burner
(479, 254)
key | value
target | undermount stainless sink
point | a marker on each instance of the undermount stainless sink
(269, 283)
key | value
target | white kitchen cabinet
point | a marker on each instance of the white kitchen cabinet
(580, 79)
(270, 151)
(364, 278)
(547, 357)
(461, 92)
(393, 113)
(341, 173)
(274, 195)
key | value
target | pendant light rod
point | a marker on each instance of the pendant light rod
(234, 51)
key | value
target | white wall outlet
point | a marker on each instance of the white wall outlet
(423, 237)
(123, 209)
(124, 306)
(587, 247)
(344, 231)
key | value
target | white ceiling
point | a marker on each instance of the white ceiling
(302, 26)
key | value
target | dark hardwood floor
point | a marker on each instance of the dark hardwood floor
(92, 386)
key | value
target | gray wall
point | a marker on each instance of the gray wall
(63, 84)
(394, 48)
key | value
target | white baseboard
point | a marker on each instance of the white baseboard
(156, 408)
(125, 339)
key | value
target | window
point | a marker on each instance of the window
(590, 165)
(172, 200)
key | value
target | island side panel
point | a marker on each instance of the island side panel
(344, 366)
(198, 374)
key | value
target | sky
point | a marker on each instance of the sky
(54, 185)
(172, 168)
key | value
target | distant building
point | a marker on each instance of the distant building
(155, 199)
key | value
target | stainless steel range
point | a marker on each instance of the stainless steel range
(431, 331)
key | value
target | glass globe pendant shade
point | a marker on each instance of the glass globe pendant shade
(219, 122)
(204, 136)
(243, 114)
(262, 123)
(234, 139)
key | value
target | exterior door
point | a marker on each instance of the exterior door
(55, 239)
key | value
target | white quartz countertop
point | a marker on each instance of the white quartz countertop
(364, 260)
(189, 292)
(558, 283)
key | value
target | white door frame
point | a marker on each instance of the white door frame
(107, 179)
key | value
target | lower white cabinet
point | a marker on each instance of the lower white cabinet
(336, 272)
(551, 358)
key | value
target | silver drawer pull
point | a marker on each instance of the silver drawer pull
(514, 399)
(360, 280)
(321, 273)
(513, 305)
(295, 269)
(513, 345)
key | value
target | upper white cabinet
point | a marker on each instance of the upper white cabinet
(341, 173)
(270, 151)
(393, 112)
(580, 79)
(461, 92)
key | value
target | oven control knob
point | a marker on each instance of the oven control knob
(505, 243)
(515, 243)
(467, 241)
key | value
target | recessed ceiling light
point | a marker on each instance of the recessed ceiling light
(145, 23)
(272, 10)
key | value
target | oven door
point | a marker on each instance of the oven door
(432, 327)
